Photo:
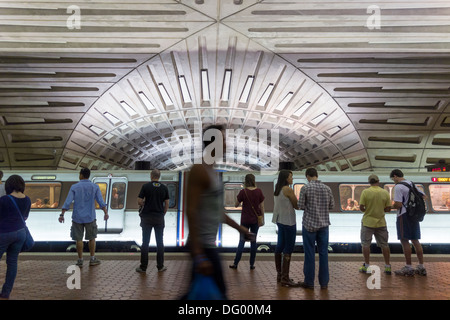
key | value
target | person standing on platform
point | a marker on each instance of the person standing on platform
(374, 202)
(83, 195)
(252, 200)
(154, 198)
(285, 218)
(316, 199)
(407, 229)
(12, 228)
(2, 186)
(205, 211)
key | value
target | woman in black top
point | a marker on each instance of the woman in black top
(12, 228)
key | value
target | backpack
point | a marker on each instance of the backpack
(415, 205)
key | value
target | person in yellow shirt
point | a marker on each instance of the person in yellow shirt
(374, 202)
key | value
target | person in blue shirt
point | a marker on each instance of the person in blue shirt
(83, 195)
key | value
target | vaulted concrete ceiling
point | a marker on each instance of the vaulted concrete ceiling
(350, 85)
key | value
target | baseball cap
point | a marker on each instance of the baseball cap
(373, 177)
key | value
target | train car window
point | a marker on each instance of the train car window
(440, 197)
(172, 195)
(350, 195)
(231, 191)
(43, 195)
(118, 195)
(297, 188)
(103, 187)
(390, 188)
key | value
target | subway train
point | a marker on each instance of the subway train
(48, 189)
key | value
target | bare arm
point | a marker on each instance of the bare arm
(289, 193)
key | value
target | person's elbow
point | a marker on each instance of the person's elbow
(397, 205)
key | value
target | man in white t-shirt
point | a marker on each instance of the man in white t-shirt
(407, 229)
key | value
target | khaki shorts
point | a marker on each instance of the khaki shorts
(77, 230)
(381, 236)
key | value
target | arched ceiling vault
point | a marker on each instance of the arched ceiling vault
(342, 93)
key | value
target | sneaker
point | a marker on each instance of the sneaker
(405, 271)
(232, 266)
(420, 270)
(94, 262)
(364, 269)
(387, 270)
(140, 270)
(163, 268)
(79, 263)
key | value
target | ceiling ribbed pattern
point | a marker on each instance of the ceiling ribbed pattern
(349, 85)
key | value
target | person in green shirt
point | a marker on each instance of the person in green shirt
(374, 202)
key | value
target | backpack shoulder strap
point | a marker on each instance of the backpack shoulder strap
(406, 184)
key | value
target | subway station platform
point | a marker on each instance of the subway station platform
(45, 276)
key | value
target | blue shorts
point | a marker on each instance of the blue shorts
(407, 228)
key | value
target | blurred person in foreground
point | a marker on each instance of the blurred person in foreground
(205, 211)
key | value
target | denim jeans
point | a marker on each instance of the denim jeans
(11, 243)
(146, 233)
(309, 240)
(254, 229)
(286, 238)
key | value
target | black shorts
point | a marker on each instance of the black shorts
(407, 228)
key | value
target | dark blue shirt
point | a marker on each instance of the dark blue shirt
(9, 216)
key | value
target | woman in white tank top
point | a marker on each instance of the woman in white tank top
(284, 216)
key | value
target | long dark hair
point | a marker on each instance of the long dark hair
(250, 180)
(282, 181)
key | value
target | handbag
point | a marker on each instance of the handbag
(29, 241)
(261, 217)
(204, 288)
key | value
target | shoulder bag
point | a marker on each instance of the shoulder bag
(261, 217)
(29, 241)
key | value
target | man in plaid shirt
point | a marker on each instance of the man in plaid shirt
(316, 199)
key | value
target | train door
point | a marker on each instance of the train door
(114, 194)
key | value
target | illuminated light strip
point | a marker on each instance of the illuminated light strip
(43, 177)
(184, 89)
(284, 102)
(165, 96)
(265, 97)
(247, 88)
(302, 109)
(113, 119)
(148, 104)
(440, 179)
(205, 85)
(226, 85)
(128, 109)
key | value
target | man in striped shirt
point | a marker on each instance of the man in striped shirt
(316, 199)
